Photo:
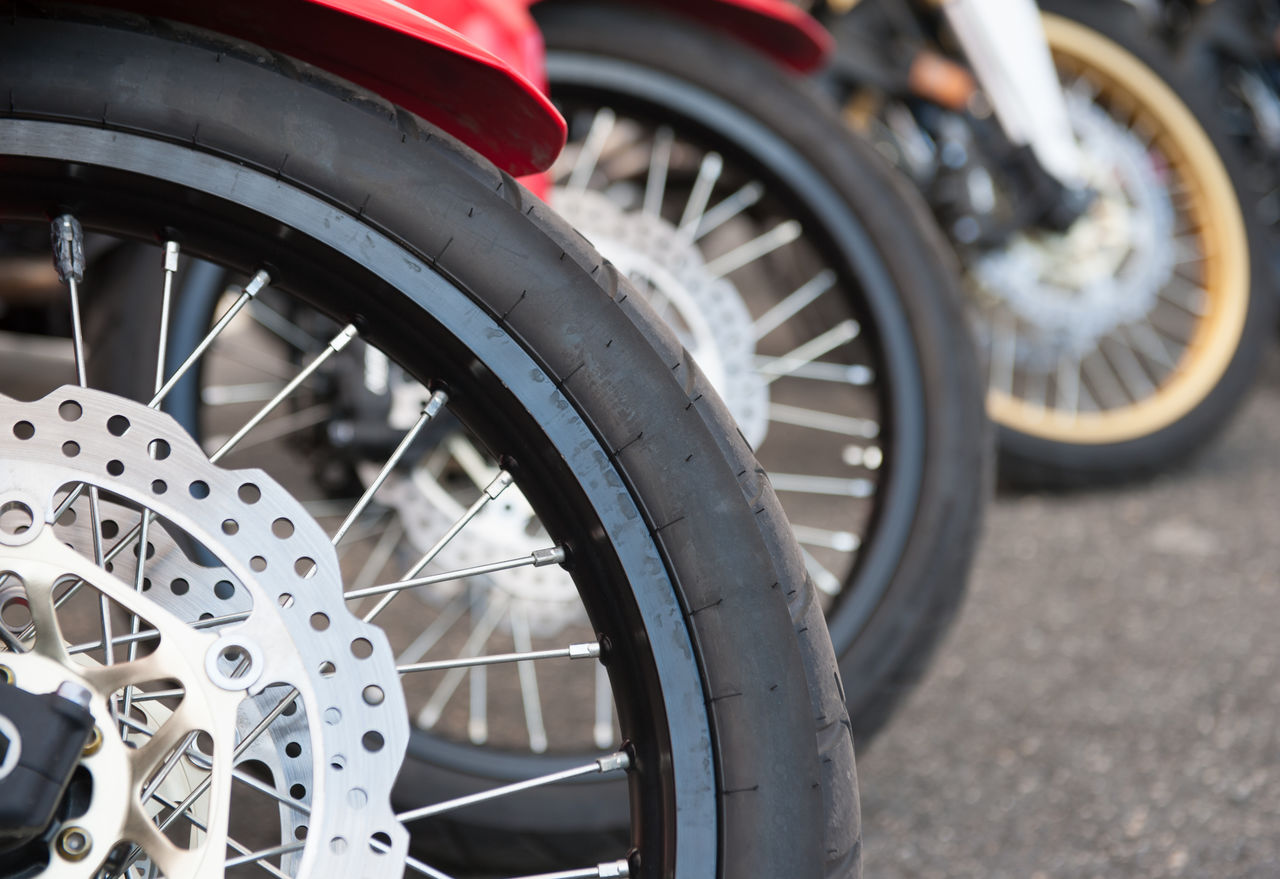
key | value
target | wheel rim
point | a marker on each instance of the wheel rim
(679, 779)
(1163, 373)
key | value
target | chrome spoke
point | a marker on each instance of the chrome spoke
(617, 762)
(842, 333)
(538, 558)
(831, 485)
(729, 208)
(584, 650)
(607, 870)
(529, 695)
(826, 421)
(491, 492)
(840, 541)
(263, 854)
(855, 374)
(336, 344)
(793, 302)
(709, 170)
(659, 160)
(429, 411)
(1067, 395)
(585, 163)
(480, 632)
(761, 246)
(602, 729)
(827, 582)
(440, 626)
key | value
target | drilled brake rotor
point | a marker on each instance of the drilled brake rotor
(242, 596)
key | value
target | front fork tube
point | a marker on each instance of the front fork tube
(1004, 42)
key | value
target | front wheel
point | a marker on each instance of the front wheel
(668, 532)
(1119, 348)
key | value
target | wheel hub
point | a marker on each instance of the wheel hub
(1074, 288)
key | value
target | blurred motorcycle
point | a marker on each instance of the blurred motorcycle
(1114, 284)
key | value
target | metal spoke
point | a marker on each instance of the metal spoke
(480, 633)
(793, 302)
(444, 621)
(336, 344)
(613, 763)
(285, 425)
(147, 634)
(429, 411)
(855, 374)
(659, 160)
(538, 558)
(729, 208)
(478, 717)
(817, 420)
(840, 541)
(491, 492)
(252, 289)
(585, 164)
(1004, 352)
(230, 395)
(261, 786)
(709, 170)
(827, 582)
(607, 870)
(842, 333)
(584, 650)
(602, 729)
(762, 245)
(1130, 372)
(831, 485)
(529, 695)
(1146, 341)
(263, 854)
(1067, 397)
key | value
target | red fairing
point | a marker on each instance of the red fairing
(398, 52)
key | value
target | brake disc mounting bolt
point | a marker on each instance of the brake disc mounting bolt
(95, 742)
(74, 843)
(6, 674)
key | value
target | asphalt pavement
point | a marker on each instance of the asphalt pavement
(1108, 704)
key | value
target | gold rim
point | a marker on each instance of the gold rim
(1219, 227)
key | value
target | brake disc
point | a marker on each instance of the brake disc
(1072, 289)
(244, 657)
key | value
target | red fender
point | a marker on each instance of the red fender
(397, 51)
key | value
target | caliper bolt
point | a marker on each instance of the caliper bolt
(95, 742)
(74, 843)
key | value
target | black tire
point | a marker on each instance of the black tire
(646, 479)
(1033, 462)
(900, 597)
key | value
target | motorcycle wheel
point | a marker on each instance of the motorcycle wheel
(676, 544)
(671, 97)
(1161, 383)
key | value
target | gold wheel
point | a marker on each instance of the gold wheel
(1172, 341)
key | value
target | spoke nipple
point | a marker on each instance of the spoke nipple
(340, 341)
(75, 693)
(68, 248)
(260, 280)
(171, 256)
(435, 404)
(615, 762)
(74, 843)
(552, 556)
(498, 485)
(588, 650)
(613, 869)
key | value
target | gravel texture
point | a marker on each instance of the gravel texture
(1109, 701)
